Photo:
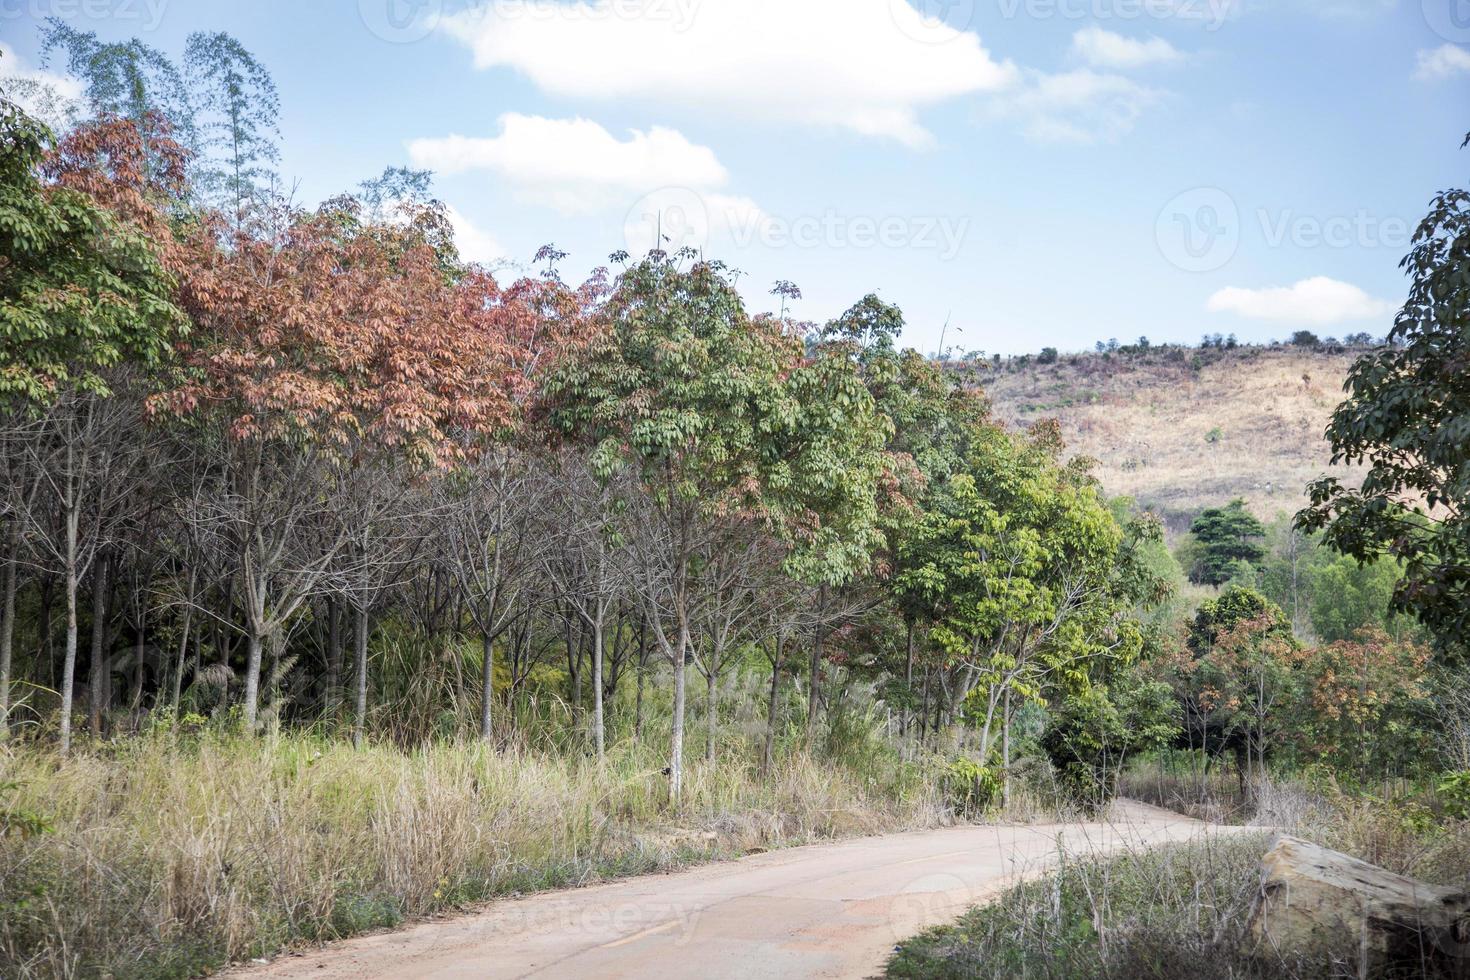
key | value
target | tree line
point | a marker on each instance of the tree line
(242, 437)
(245, 440)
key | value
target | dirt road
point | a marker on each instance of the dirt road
(829, 910)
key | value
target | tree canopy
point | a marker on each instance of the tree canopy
(1407, 419)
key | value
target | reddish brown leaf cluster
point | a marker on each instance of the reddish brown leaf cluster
(356, 337)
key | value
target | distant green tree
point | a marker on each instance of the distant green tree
(1048, 355)
(1025, 567)
(1407, 415)
(126, 79)
(238, 113)
(1304, 338)
(871, 323)
(1233, 607)
(1348, 596)
(1227, 536)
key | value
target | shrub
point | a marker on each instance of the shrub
(1093, 734)
(1454, 794)
(970, 787)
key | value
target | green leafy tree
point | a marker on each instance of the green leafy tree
(85, 286)
(1020, 560)
(1091, 735)
(934, 420)
(82, 288)
(714, 414)
(1407, 416)
(1227, 536)
(1348, 596)
(1233, 606)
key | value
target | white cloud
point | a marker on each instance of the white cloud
(867, 66)
(46, 95)
(1104, 49)
(1320, 301)
(669, 189)
(474, 244)
(575, 165)
(1082, 106)
(671, 218)
(1445, 61)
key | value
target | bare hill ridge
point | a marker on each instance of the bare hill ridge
(1181, 429)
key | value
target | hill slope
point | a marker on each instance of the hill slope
(1182, 429)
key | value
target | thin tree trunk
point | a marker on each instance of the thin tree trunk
(711, 695)
(7, 638)
(360, 644)
(101, 676)
(69, 661)
(924, 708)
(252, 679)
(178, 686)
(139, 645)
(578, 676)
(487, 685)
(198, 658)
(908, 678)
(1005, 752)
(676, 753)
(574, 676)
(599, 733)
(642, 669)
(768, 759)
(333, 694)
(815, 685)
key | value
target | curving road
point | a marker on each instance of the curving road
(828, 910)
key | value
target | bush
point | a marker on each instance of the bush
(970, 787)
(1454, 794)
(1092, 735)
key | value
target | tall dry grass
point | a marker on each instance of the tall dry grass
(1183, 910)
(170, 855)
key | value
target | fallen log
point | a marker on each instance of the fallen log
(1316, 904)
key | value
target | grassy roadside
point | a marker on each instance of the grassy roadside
(1167, 913)
(170, 857)
(1181, 910)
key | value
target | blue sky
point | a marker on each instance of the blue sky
(1033, 172)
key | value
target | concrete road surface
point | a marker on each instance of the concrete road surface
(828, 910)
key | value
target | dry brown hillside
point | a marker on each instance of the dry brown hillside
(1183, 429)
